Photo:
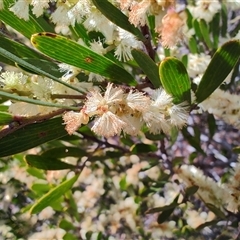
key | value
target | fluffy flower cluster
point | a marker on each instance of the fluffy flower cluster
(205, 9)
(233, 187)
(122, 211)
(209, 191)
(222, 104)
(139, 10)
(71, 12)
(123, 206)
(197, 218)
(171, 29)
(220, 195)
(197, 64)
(5, 231)
(168, 24)
(40, 88)
(118, 111)
(48, 233)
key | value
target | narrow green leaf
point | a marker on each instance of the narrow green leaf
(212, 126)
(152, 25)
(66, 225)
(72, 53)
(148, 66)
(73, 207)
(215, 210)
(117, 17)
(177, 161)
(113, 154)
(218, 69)
(167, 52)
(193, 45)
(62, 152)
(18, 49)
(32, 67)
(47, 163)
(143, 148)
(205, 32)
(5, 118)
(6, 61)
(189, 19)
(40, 188)
(154, 137)
(31, 136)
(81, 32)
(123, 184)
(70, 236)
(191, 191)
(235, 73)
(159, 209)
(3, 108)
(175, 80)
(185, 60)
(208, 224)
(164, 215)
(197, 29)
(127, 141)
(215, 29)
(36, 173)
(44, 65)
(174, 135)
(99, 237)
(164, 208)
(27, 28)
(53, 195)
(192, 156)
(95, 36)
(33, 101)
(236, 149)
(192, 140)
(29, 55)
(88, 235)
(197, 134)
(224, 20)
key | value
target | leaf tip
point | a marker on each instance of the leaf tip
(40, 34)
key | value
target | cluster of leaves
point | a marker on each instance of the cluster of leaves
(25, 133)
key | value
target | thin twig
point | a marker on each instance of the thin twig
(20, 122)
